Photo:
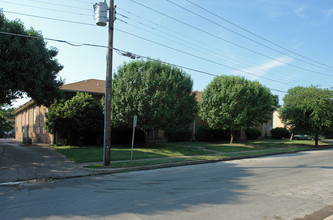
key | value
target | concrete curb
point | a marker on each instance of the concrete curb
(105, 171)
(196, 162)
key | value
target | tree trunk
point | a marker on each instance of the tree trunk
(232, 135)
(291, 136)
(316, 140)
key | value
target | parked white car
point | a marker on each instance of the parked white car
(304, 137)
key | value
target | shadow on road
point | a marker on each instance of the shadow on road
(21, 162)
(155, 193)
(142, 192)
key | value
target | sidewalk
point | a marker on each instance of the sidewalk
(40, 162)
(20, 162)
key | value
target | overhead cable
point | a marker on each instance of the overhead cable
(212, 51)
(50, 9)
(228, 41)
(48, 18)
(122, 52)
(191, 47)
(254, 34)
(166, 46)
(242, 35)
(199, 57)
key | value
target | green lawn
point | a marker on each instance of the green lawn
(95, 154)
(193, 150)
(252, 145)
(154, 162)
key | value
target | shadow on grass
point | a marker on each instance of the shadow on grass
(95, 154)
(253, 145)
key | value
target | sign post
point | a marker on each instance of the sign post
(135, 121)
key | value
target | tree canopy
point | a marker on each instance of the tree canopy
(160, 95)
(235, 103)
(78, 120)
(308, 110)
(5, 125)
(26, 65)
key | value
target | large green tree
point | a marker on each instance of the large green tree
(235, 103)
(160, 95)
(27, 66)
(78, 120)
(5, 125)
(308, 110)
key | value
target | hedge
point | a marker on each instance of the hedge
(280, 133)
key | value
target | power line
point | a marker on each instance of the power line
(52, 39)
(182, 44)
(61, 5)
(91, 3)
(248, 38)
(48, 18)
(254, 34)
(121, 52)
(51, 9)
(87, 24)
(81, 23)
(230, 42)
(217, 63)
(172, 48)
(201, 45)
(202, 58)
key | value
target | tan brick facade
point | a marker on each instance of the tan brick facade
(30, 118)
(30, 123)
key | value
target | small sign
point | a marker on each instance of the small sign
(135, 121)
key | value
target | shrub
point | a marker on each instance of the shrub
(178, 135)
(205, 133)
(79, 120)
(124, 136)
(280, 133)
(252, 133)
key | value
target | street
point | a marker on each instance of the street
(279, 187)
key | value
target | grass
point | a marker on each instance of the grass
(252, 145)
(95, 154)
(196, 158)
(185, 151)
(154, 162)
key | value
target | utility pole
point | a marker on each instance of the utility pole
(101, 14)
(108, 89)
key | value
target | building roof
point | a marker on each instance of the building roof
(23, 107)
(98, 86)
(89, 85)
(94, 86)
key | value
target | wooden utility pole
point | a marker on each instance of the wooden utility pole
(108, 89)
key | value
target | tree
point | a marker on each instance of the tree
(234, 103)
(160, 95)
(26, 65)
(308, 110)
(5, 125)
(79, 119)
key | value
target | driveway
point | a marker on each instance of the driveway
(19, 162)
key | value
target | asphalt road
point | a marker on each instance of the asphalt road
(21, 162)
(280, 187)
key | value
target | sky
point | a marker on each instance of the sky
(280, 43)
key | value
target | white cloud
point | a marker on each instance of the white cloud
(256, 72)
(299, 11)
(328, 13)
